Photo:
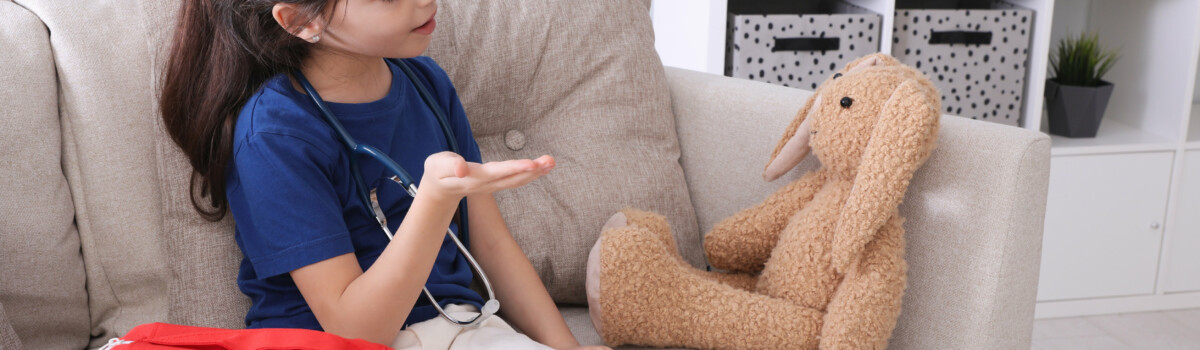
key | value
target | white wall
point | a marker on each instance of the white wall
(677, 19)
(1070, 18)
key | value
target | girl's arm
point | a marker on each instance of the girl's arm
(373, 305)
(523, 299)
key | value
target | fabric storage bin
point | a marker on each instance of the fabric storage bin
(796, 43)
(976, 52)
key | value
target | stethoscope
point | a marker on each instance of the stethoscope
(402, 178)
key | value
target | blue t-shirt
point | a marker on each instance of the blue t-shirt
(294, 199)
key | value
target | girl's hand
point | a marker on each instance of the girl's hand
(449, 177)
(593, 347)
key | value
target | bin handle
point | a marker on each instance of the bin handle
(960, 37)
(806, 44)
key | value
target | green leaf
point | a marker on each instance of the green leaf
(1081, 60)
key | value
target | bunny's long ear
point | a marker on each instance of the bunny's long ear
(902, 139)
(872, 60)
(793, 146)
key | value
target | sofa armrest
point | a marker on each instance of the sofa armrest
(975, 210)
(727, 129)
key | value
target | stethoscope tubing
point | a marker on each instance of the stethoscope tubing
(402, 178)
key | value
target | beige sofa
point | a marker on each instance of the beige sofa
(97, 234)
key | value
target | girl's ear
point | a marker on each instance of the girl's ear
(288, 17)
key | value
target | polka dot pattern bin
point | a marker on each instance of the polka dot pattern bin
(798, 50)
(977, 58)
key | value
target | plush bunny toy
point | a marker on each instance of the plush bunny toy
(820, 263)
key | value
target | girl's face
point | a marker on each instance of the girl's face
(381, 28)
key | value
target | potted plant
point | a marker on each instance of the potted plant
(1076, 97)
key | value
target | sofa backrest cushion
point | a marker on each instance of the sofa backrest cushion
(148, 255)
(579, 80)
(41, 269)
(8, 337)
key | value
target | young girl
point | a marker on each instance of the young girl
(312, 256)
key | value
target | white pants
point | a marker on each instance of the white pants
(439, 334)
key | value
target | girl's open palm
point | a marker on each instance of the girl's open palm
(449, 175)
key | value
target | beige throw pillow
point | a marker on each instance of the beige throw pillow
(578, 80)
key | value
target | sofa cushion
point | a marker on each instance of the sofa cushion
(579, 80)
(580, 323)
(42, 284)
(8, 337)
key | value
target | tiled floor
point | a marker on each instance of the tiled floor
(1177, 329)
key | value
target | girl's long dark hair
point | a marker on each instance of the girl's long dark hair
(222, 53)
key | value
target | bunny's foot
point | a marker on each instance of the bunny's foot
(639, 294)
(654, 223)
(592, 281)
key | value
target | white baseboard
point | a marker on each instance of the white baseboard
(1141, 303)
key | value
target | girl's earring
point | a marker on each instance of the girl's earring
(314, 39)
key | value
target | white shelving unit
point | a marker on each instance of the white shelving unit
(1130, 241)
(1123, 213)
(1114, 136)
(690, 34)
(1183, 264)
(1194, 128)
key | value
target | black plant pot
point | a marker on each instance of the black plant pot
(1075, 111)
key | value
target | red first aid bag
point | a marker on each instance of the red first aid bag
(162, 336)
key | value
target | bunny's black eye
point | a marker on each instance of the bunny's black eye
(846, 102)
(839, 75)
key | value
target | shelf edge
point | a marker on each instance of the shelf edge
(1109, 149)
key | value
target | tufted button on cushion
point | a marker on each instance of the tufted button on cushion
(514, 140)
